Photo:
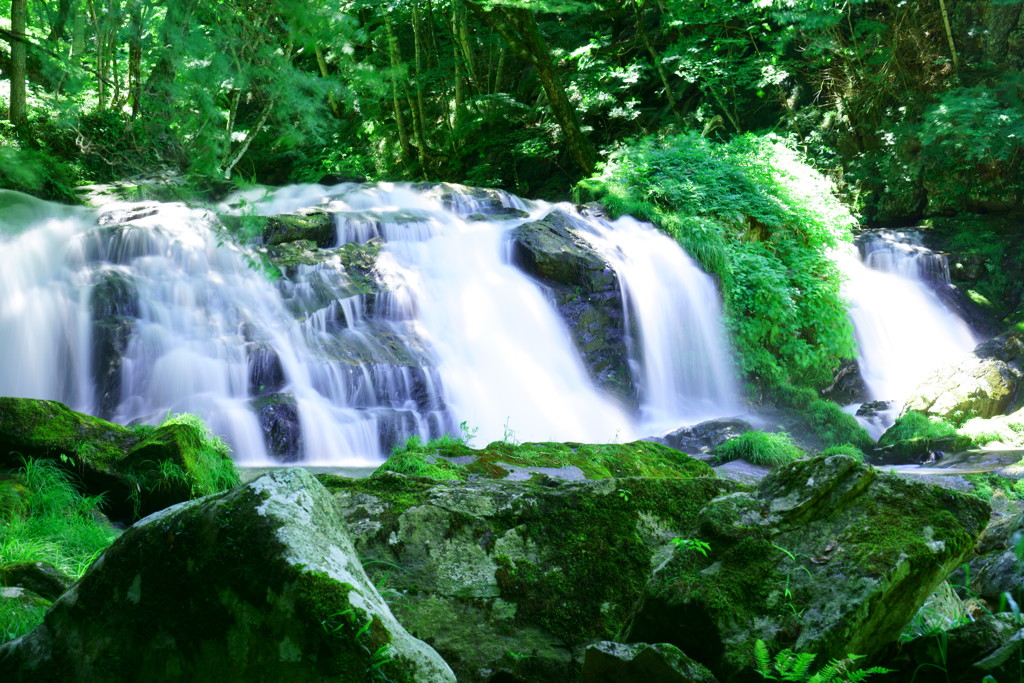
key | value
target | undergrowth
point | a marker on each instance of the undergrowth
(759, 448)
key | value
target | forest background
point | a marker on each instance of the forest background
(701, 116)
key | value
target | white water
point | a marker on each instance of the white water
(903, 330)
(462, 335)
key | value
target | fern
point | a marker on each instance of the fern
(796, 666)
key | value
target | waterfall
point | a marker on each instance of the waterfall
(136, 311)
(903, 330)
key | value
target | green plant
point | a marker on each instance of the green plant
(793, 666)
(835, 426)
(845, 449)
(759, 448)
(692, 544)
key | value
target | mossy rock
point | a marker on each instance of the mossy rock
(915, 434)
(985, 383)
(826, 556)
(541, 568)
(566, 461)
(310, 224)
(138, 470)
(258, 583)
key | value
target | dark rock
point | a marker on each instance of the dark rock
(114, 306)
(996, 570)
(587, 294)
(848, 385)
(38, 577)
(278, 415)
(339, 178)
(981, 322)
(505, 214)
(985, 383)
(826, 556)
(609, 662)
(309, 224)
(873, 408)
(987, 646)
(266, 376)
(704, 437)
(258, 583)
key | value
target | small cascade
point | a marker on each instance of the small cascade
(138, 311)
(681, 355)
(903, 330)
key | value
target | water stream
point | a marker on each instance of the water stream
(133, 312)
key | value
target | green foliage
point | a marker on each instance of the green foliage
(684, 544)
(759, 218)
(760, 448)
(208, 467)
(845, 449)
(796, 666)
(990, 484)
(43, 518)
(835, 426)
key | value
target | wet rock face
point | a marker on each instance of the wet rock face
(310, 224)
(259, 583)
(278, 415)
(986, 383)
(587, 294)
(609, 662)
(114, 307)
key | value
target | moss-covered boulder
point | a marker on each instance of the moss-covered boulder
(916, 435)
(449, 459)
(826, 556)
(38, 577)
(989, 646)
(138, 470)
(985, 383)
(258, 583)
(513, 580)
(313, 224)
(587, 294)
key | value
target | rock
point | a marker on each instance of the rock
(131, 467)
(504, 214)
(38, 577)
(826, 556)
(848, 385)
(266, 375)
(566, 461)
(988, 646)
(704, 437)
(278, 415)
(113, 302)
(873, 408)
(543, 568)
(985, 383)
(258, 583)
(587, 294)
(608, 662)
(121, 215)
(996, 570)
(308, 224)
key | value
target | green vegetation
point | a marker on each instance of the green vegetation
(845, 449)
(755, 214)
(206, 466)
(989, 485)
(44, 518)
(759, 448)
(796, 666)
(836, 427)
(914, 432)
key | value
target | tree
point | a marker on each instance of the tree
(19, 20)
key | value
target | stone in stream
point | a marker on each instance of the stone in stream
(257, 583)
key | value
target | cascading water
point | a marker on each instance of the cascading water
(903, 329)
(146, 311)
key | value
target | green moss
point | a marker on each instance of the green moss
(989, 485)
(914, 433)
(834, 426)
(759, 448)
(597, 461)
(845, 449)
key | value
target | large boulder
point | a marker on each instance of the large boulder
(826, 556)
(513, 580)
(989, 646)
(258, 583)
(138, 470)
(608, 662)
(308, 224)
(985, 383)
(586, 292)
(703, 438)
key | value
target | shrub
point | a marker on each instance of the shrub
(761, 220)
(760, 448)
(845, 449)
(835, 426)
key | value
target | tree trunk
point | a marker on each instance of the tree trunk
(655, 57)
(135, 57)
(419, 123)
(60, 23)
(396, 60)
(19, 20)
(519, 29)
(321, 62)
